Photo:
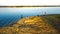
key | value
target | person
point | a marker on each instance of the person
(44, 13)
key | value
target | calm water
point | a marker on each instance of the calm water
(8, 19)
(11, 15)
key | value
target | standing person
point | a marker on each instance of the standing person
(44, 13)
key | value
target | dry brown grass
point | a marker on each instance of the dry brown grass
(29, 25)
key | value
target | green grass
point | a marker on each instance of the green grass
(53, 20)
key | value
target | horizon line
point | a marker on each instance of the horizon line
(34, 6)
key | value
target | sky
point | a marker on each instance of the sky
(29, 2)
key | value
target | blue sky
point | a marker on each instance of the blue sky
(30, 11)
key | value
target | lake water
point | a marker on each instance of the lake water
(8, 19)
(11, 15)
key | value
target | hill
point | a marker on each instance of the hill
(48, 24)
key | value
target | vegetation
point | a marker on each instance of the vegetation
(53, 20)
(49, 24)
